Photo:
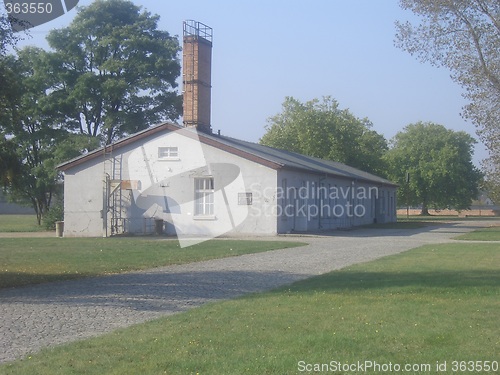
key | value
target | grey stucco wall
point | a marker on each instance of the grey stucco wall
(313, 203)
(165, 189)
(83, 200)
(278, 201)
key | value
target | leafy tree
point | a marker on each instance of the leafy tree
(321, 129)
(491, 184)
(114, 70)
(439, 163)
(10, 166)
(7, 39)
(464, 37)
(7, 36)
(35, 140)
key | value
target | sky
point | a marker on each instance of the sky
(266, 50)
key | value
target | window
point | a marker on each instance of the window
(168, 153)
(245, 199)
(204, 196)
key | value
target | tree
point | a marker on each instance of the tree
(36, 143)
(115, 71)
(439, 164)
(464, 37)
(491, 184)
(7, 36)
(323, 130)
(7, 39)
(10, 166)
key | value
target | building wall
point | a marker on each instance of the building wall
(83, 200)
(309, 202)
(164, 188)
(175, 179)
(7, 208)
(249, 198)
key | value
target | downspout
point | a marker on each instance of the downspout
(105, 205)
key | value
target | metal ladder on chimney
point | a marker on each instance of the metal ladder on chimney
(113, 192)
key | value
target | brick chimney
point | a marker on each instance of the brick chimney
(196, 75)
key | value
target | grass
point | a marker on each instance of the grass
(434, 303)
(434, 218)
(484, 234)
(25, 261)
(19, 223)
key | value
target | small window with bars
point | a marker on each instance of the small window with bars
(204, 196)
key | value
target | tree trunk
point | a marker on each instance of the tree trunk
(36, 206)
(40, 209)
(425, 210)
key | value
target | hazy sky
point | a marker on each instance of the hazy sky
(265, 50)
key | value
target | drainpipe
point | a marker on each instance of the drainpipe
(105, 206)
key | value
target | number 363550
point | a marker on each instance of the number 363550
(29, 8)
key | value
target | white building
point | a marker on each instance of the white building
(188, 181)
(210, 185)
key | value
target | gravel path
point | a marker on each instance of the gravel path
(27, 234)
(44, 315)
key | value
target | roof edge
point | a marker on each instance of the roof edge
(207, 139)
(116, 145)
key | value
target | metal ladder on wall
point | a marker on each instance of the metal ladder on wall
(113, 192)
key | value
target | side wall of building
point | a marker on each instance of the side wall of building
(197, 189)
(83, 200)
(159, 178)
(308, 202)
(168, 188)
(7, 208)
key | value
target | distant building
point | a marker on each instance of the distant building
(7, 208)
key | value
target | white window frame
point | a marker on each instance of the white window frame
(204, 197)
(168, 153)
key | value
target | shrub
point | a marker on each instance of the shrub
(56, 213)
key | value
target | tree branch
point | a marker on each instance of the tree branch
(477, 44)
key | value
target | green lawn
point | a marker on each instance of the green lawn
(434, 303)
(26, 261)
(484, 234)
(433, 218)
(19, 223)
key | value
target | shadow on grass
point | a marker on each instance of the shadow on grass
(160, 291)
(19, 279)
(359, 281)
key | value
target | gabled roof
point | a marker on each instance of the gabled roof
(271, 157)
(293, 160)
(159, 129)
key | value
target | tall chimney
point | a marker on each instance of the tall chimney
(196, 75)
